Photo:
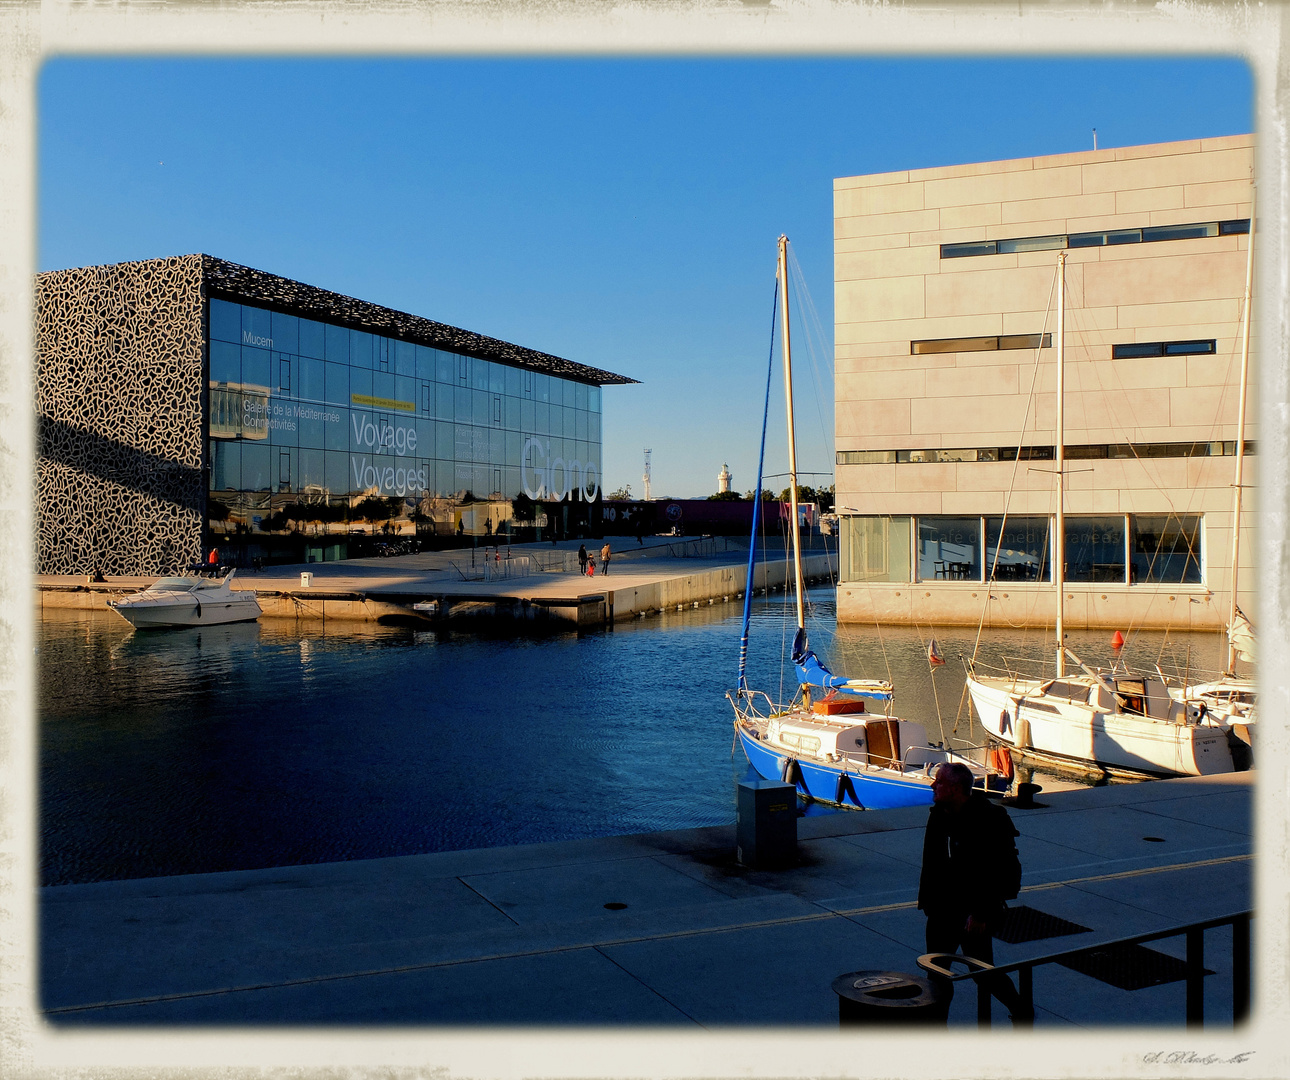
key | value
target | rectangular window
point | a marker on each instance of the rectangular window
(1179, 232)
(1234, 228)
(1190, 348)
(312, 339)
(981, 344)
(1031, 243)
(1138, 349)
(1018, 548)
(497, 410)
(284, 373)
(949, 549)
(875, 548)
(225, 321)
(1166, 548)
(866, 457)
(1095, 549)
(963, 251)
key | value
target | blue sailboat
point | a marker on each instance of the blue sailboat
(837, 739)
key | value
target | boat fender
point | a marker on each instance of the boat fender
(845, 788)
(199, 609)
(1005, 722)
(1023, 733)
(792, 772)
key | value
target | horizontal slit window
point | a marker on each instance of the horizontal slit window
(1179, 232)
(1189, 348)
(1106, 238)
(962, 251)
(1031, 243)
(981, 344)
(1135, 350)
(1082, 451)
(866, 457)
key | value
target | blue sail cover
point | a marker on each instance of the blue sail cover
(812, 672)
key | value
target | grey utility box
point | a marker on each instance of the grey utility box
(766, 824)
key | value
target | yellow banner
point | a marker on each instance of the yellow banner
(382, 402)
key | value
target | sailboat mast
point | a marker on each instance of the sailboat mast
(1240, 444)
(1059, 539)
(792, 438)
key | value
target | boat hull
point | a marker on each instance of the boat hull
(152, 616)
(1080, 733)
(863, 790)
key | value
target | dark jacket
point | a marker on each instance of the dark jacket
(969, 860)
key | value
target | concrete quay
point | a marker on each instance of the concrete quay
(662, 930)
(643, 579)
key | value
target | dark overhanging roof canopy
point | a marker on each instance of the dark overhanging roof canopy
(229, 281)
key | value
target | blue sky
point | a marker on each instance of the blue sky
(619, 212)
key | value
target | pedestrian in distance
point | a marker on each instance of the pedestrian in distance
(604, 558)
(582, 559)
(970, 870)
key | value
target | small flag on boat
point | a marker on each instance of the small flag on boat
(934, 654)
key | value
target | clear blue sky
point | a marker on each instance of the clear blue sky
(620, 213)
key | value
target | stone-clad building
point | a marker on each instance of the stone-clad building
(188, 401)
(945, 387)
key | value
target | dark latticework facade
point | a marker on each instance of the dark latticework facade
(120, 437)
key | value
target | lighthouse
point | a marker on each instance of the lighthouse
(723, 480)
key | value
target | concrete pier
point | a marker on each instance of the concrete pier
(642, 579)
(662, 929)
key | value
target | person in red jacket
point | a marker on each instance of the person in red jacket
(970, 871)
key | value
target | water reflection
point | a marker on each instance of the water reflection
(278, 742)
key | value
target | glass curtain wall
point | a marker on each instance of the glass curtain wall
(320, 430)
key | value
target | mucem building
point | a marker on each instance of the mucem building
(189, 402)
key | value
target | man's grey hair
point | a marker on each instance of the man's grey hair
(959, 774)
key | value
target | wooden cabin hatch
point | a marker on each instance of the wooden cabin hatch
(884, 741)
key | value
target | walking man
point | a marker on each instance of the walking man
(582, 559)
(970, 870)
(604, 558)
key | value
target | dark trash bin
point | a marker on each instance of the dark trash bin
(888, 997)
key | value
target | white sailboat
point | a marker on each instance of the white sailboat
(832, 748)
(1108, 720)
(1231, 699)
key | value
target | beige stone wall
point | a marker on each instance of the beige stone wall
(892, 288)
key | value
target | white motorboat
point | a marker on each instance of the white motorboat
(188, 601)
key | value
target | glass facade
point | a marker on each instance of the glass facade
(1117, 549)
(313, 425)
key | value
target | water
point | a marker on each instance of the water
(276, 743)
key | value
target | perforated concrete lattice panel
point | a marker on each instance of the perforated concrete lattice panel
(119, 463)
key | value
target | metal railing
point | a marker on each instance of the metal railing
(983, 974)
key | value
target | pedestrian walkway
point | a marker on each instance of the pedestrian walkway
(663, 574)
(659, 929)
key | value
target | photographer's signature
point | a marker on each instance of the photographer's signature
(1189, 1057)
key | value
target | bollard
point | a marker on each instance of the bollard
(888, 997)
(766, 824)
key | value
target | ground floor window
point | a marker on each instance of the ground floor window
(949, 549)
(1095, 548)
(1019, 548)
(874, 548)
(1166, 548)
(1110, 549)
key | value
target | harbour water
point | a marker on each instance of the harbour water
(278, 742)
